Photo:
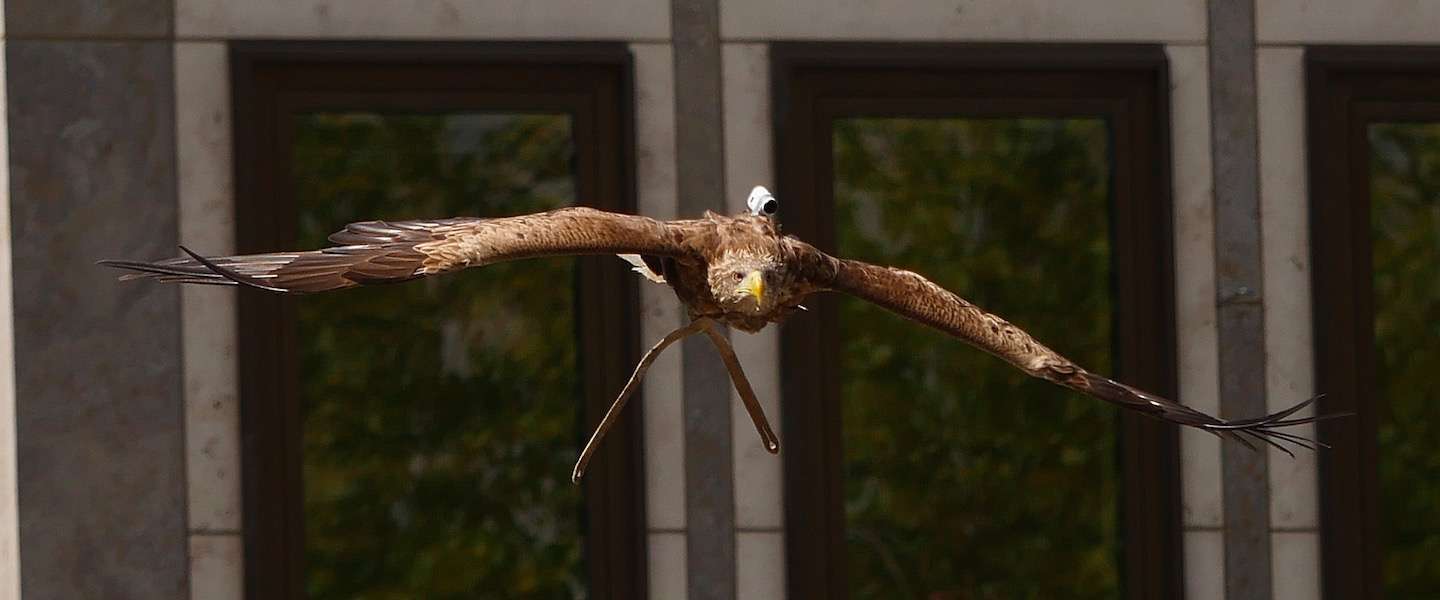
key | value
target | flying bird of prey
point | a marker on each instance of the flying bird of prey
(739, 271)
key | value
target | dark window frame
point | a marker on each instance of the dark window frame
(1347, 88)
(593, 82)
(1128, 85)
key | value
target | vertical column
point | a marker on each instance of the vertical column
(1285, 211)
(9, 525)
(1201, 487)
(1238, 275)
(759, 480)
(208, 340)
(700, 164)
(97, 365)
(660, 313)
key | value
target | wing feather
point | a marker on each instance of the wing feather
(374, 252)
(910, 295)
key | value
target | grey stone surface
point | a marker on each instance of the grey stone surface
(98, 372)
(1238, 275)
(699, 126)
(700, 182)
(107, 19)
(709, 474)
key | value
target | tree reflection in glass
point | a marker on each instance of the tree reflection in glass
(1405, 250)
(964, 478)
(440, 416)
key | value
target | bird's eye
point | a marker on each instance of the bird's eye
(738, 276)
(770, 207)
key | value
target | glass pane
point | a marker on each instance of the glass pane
(440, 416)
(1405, 229)
(963, 477)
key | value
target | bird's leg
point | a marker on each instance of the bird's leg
(618, 405)
(742, 385)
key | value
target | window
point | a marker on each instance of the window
(416, 440)
(1031, 180)
(1374, 137)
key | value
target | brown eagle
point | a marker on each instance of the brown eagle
(737, 270)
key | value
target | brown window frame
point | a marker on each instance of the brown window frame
(593, 82)
(1128, 85)
(1347, 88)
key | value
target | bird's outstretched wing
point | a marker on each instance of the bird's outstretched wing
(385, 252)
(915, 297)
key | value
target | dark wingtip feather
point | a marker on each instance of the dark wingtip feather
(1299, 440)
(1245, 431)
(1310, 419)
(1265, 428)
(231, 275)
(1275, 417)
(1270, 440)
(155, 269)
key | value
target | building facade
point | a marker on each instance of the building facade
(133, 467)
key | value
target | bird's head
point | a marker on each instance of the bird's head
(746, 283)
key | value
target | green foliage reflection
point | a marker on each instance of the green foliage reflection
(1405, 229)
(440, 416)
(964, 478)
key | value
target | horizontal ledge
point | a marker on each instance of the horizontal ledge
(1315, 529)
(844, 39)
(82, 38)
(371, 37)
(217, 532)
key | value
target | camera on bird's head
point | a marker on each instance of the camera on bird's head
(762, 203)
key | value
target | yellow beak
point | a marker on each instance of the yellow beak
(754, 284)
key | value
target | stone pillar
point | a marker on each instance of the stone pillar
(1240, 314)
(99, 415)
(700, 181)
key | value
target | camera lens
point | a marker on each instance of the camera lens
(770, 207)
